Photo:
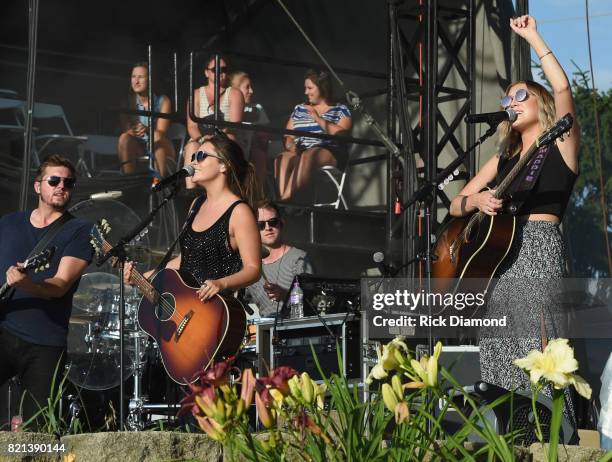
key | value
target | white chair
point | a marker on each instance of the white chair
(58, 141)
(338, 179)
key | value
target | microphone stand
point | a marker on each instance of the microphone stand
(119, 252)
(426, 194)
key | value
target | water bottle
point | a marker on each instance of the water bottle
(296, 301)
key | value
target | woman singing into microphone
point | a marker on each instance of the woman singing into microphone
(537, 257)
(220, 246)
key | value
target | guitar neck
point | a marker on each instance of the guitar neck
(503, 186)
(4, 289)
(140, 281)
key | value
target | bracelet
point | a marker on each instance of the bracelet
(545, 54)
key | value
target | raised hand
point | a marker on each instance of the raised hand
(524, 26)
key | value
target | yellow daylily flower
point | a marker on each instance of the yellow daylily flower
(581, 386)
(393, 397)
(389, 397)
(390, 357)
(425, 370)
(556, 364)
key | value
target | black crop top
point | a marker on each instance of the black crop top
(553, 188)
(207, 254)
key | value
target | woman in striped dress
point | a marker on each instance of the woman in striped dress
(319, 114)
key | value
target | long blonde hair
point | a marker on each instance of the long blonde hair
(236, 78)
(510, 142)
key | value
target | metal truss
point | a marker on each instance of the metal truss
(432, 49)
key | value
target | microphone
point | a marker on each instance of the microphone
(102, 196)
(186, 171)
(385, 270)
(492, 118)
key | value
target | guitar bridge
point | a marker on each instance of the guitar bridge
(182, 325)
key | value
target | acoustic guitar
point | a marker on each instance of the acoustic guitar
(473, 247)
(190, 334)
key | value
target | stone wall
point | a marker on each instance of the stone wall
(177, 447)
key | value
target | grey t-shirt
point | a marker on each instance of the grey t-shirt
(281, 272)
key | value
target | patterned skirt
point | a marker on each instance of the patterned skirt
(526, 282)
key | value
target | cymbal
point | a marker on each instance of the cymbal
(104, 286)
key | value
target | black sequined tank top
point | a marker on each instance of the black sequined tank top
(208, 254)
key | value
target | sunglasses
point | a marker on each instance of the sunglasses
(54, 180)
(201, 155)
(520, 96)
(222, 69)
(272, 223)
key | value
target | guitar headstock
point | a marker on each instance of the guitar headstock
(98, 235)
(40, 261)
(563, 125)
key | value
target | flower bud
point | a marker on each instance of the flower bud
(307, 388)
(389, 397)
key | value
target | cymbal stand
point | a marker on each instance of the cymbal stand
(118, 251)
(136, 404)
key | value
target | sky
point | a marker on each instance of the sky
(562, 23)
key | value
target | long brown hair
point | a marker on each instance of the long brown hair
(130, 119)
(510, 142)
(241, 178)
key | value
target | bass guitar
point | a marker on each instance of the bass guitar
(190, 334)
(473, 247)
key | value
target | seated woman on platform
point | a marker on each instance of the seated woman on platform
(133, 141)
(293, 168)
(256, 143)
(231, 106)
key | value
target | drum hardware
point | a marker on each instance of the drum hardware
(74, 409)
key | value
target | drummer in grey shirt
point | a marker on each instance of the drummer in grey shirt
(280, 267)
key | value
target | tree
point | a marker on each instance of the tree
(583, 219)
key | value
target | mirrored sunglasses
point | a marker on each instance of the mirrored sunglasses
(272, 223)
(520, 95)
(54, 180)
(201, 155)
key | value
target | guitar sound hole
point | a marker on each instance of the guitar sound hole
(165, 307)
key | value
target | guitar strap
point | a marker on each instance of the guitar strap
(196, 206)
(43, 243)
(519, 195)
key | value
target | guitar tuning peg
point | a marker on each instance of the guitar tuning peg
(456, 172)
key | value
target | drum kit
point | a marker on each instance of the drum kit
(93, 342)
